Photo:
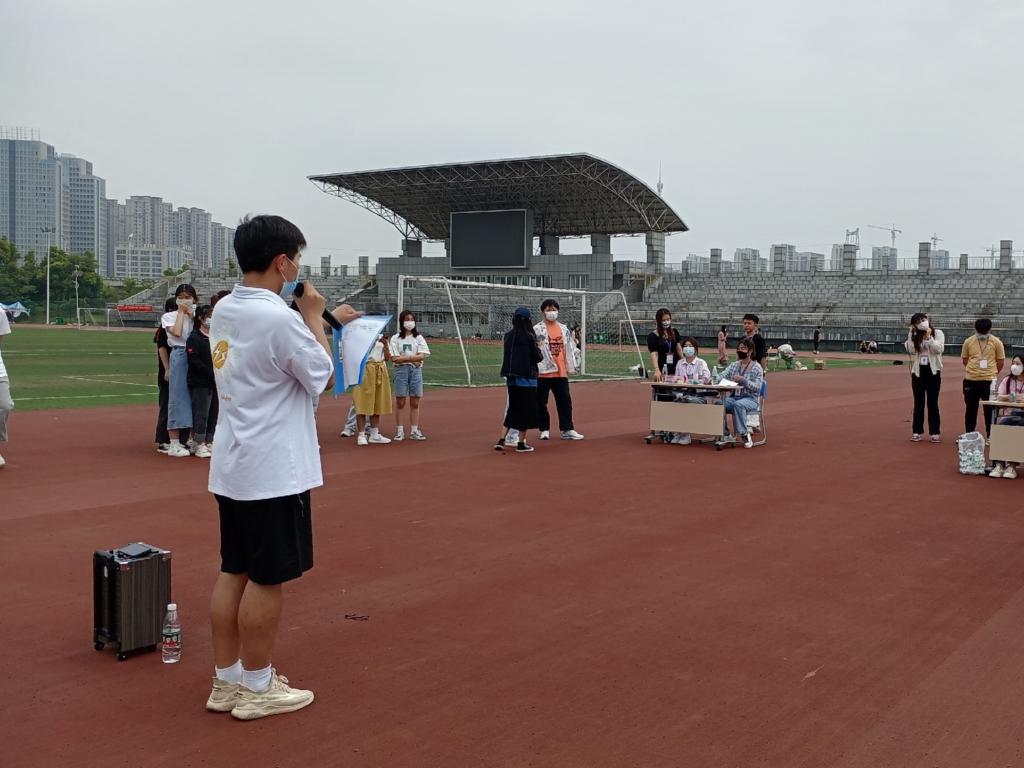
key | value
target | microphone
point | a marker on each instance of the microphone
(330, 319)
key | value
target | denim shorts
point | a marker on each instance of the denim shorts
(179, 399)
(408, 381)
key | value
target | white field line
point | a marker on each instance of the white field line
(81, 397)
(107, 381)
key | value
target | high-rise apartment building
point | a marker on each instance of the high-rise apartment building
(750, 260)
(88, 198)
(35, 199)
(222, 246)
(883, 256)
(194, 227)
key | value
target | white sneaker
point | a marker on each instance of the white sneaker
(417, 435)
(997, 471)
(276, 700)
(748, 441)
(571, 434)
(179, 450)
(683, 439)
(1010, 473)
(223, 696)
(361, 439)
(545, 434)
(347, 432)
(202, 452)
(379, 439)
(400, 435)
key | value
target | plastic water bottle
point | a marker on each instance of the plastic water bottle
(716, 376)
(664, 372)
(170, 647)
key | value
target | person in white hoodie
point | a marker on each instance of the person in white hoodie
(561, 358)
(925, 346)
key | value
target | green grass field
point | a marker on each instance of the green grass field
(69, 368)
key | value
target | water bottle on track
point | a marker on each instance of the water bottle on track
(170, 645)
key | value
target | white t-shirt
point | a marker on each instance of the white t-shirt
(268, 367)
(5, 330)
(377, 353)
(168, 320)
(408, 345)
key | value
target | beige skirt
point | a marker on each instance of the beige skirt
(373, 396)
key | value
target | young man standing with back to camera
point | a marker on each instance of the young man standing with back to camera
(269, 362)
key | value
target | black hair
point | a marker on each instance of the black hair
(752, 316)
(549, 303)
(401, 320)
(217, 297)
(186, 288)
(983, 325)
(171, 304)
(744, 342)
(203, 311)
(658, 317)
(260, 239)
(916, 335)
(723, 329)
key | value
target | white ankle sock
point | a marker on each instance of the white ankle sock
(257, 680)
(175, 442)
(232, 674)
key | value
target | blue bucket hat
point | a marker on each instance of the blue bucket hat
(522, 312)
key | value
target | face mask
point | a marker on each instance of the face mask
(742, 355)
(289, 285)
(666, 323)
(551, 316)
(689, 351)
(1017, 370)
(982, 336)
(184, 302)
(923, 325)
(409, 325)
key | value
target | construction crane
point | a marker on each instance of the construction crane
(891, 230)
(935, 241)
(853, 236)
(992, 250)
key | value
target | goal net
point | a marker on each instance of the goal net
(465, 323)
(100, 317)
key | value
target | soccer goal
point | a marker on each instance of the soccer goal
(108, 318)
(465, 323)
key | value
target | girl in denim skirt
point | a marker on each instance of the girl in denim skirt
(408, 351)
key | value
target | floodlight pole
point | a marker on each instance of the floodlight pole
(48, 231)
(78, 315)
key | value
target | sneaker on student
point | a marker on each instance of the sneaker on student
(223, 697)
(400, 435)
(361, 439)
(203, 452)
(545, 434)
(1010, 473)
(163, 447)
(346, 432)
(997, 471)
(748, 441)
(523, 448)
(571, 434)
(936, 438)
(683, 439)
(177, 451)
(500, 445)
(2, 461)
(915, 438)
(276, 700)
(379, 439)
(417, 435)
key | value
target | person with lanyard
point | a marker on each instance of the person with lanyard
(663, 344)
(925, 345)
(983, 357)
(691, 370)
(1011, 389)
(748, 375)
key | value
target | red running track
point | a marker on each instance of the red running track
(840, 597)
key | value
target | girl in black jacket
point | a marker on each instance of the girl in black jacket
(519, 367)
(200, 382)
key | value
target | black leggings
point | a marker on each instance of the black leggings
(926, 389)
(974, 393)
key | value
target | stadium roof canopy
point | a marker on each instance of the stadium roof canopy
(570, 195)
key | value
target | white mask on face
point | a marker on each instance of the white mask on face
(1017, 370)
(666, 323)
(551, 316)
(409, 324)
(923, 325)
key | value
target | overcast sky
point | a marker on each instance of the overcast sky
(786, 121)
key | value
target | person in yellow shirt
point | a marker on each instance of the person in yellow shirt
(983, 356)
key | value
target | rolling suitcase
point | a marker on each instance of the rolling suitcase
(131, 590)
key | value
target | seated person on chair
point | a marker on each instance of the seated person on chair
(692, 370)
(748, 376)
(1011, 389)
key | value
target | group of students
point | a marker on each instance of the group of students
(188, 406)
(984, 357)
(537, 360)
(673, 354)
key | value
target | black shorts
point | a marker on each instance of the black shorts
(270, 540)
